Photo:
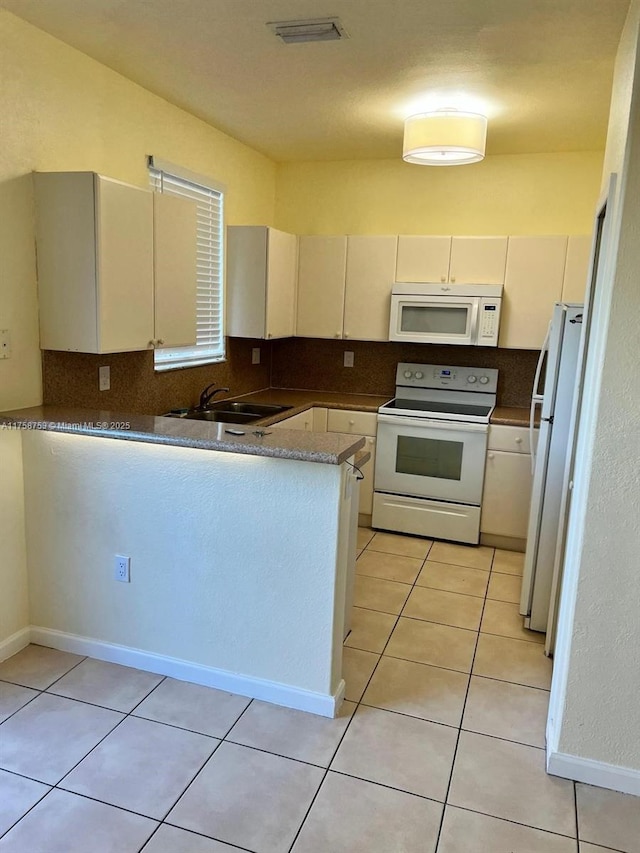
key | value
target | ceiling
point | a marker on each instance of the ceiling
(540, 69)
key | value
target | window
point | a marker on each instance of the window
(167, 178)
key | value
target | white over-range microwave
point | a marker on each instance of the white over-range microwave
(466, 314)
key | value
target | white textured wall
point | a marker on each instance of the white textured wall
(61, 110)
(14, 615)
(598, 688)
(232, 557)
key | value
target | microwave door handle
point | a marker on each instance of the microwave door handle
(475, 314)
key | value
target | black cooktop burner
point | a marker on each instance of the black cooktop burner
(427, 406)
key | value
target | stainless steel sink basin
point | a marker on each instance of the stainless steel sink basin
(223, 417)
(262, 409)
(230, 412)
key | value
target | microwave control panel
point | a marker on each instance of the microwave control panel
(489, 321)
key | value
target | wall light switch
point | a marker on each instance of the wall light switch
(104, 378)
(255, 355)
(5, 344)
(348, 359)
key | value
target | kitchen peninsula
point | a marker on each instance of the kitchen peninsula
(238, 547)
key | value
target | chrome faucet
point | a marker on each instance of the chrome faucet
(208, 394)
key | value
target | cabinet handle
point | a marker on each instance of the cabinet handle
(346, 335)
(453, 278)
(152, 344)
(160, 342)
(337, 335)
(518, 441)
(269, 334)
(490, 456)
(351, 423)
(443, 278)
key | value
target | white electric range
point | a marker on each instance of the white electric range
(431, 451)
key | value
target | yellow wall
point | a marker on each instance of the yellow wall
(509, 194)
(61, 110)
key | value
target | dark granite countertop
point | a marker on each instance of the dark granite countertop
(300, 401)
(330, 448)
(511, 416)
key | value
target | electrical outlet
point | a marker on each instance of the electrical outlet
(255, 355)
(104, 378)
(5, 344)
(122, 568)
(348, 359)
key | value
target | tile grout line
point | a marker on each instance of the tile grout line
(355, 710)
(464, 707)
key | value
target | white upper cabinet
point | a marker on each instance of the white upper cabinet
(371, 266)
(533, 283)
(95, 263)
(423, 258)
(175, 270)
(321, 280)
(576, 268)
(261, 282)
(458, 260)
(478, 260)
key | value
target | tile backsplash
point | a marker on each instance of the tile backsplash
(317, 365)
(71, 379)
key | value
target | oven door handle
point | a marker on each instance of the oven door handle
(428, 423)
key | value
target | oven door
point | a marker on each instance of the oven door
(420, 457)
(434, 320)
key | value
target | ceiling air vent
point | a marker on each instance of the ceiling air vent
(316, 29)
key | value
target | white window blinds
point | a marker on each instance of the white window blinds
(166, 178)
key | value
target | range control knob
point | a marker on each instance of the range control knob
(472, 379)
(484, 380)
(419, 374)
(408, 374)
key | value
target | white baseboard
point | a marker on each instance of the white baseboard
(256, 688)
(15, 643)
(594, 772)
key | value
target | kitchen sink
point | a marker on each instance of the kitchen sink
(260, 409)
(224, 417)
(230, 412)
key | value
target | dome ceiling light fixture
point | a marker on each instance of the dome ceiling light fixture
(446, 137)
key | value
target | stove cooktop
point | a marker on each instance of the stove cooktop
(443, 393)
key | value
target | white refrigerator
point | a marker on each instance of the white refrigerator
(559, 358)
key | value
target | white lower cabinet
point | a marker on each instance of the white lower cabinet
(320, 419)
(507, 483)
(313, 420)
(359, 423)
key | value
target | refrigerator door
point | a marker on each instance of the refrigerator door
(550, 465)
(535, 518)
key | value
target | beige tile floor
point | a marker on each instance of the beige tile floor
(439, 745)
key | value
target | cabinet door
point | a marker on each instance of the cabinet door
(533, 283)
(65, 240)
(319, 418)
(303, 420)
(371, 267)
(366, 486)
(124, 249)
(281, 284)
(423, 258)
(507, 494)
(478, 260)
(348, 421)
(577, 268)
(321, 272)
(246, 281)
(174, 268)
